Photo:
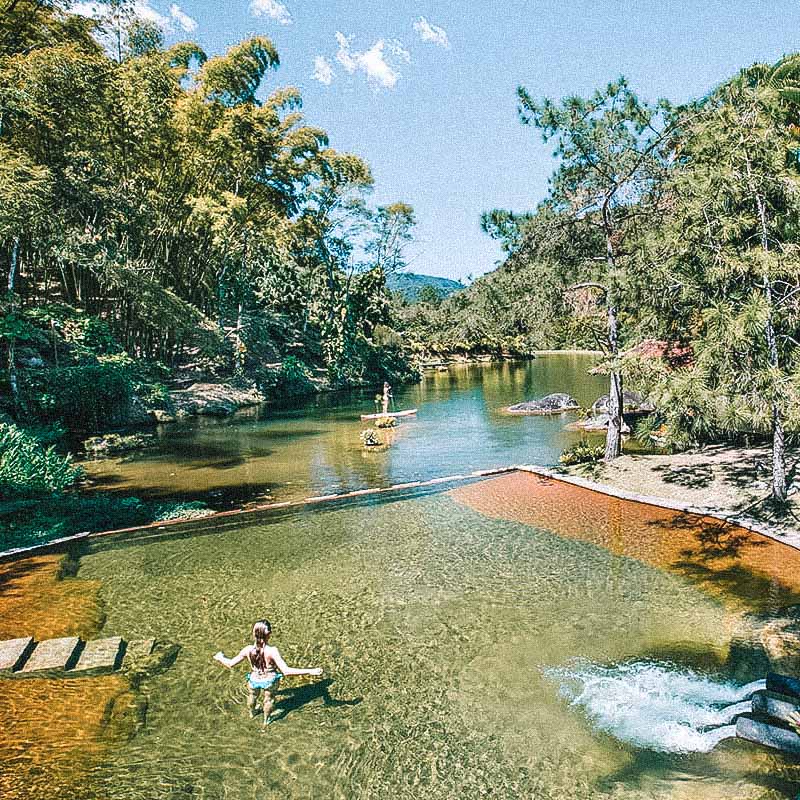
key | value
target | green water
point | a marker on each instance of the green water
(273, 453)
(433, 624)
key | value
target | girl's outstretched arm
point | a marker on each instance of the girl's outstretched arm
(232, 662)
(285, 669)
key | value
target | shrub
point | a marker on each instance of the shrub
(28, 467)
(190, 510)
(82, 397)
(581, 453)
(293, 377)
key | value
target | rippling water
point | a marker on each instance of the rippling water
(513, 638)
(441, 630)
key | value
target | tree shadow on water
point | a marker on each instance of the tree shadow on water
(295, 698)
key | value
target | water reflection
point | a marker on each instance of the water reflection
(288, 452)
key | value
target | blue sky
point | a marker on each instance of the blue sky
(438, 124)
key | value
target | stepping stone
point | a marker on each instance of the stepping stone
(13, 653)
(99, 656)
(53, 654)
(138, 650)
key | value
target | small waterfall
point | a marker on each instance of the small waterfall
(728, 713)
(654, 705)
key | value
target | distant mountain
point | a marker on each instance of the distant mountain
(409, 284)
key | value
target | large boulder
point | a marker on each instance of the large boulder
(632, 403)
(213, 399)
(556, 403)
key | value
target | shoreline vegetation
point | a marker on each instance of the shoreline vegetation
(667, 243)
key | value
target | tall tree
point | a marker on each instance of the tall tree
(732, 236)
(608, 148)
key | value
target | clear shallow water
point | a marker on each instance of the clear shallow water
(442, 631)
(513, 638)
(314, 448)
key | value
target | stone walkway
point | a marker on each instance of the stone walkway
(68, 656)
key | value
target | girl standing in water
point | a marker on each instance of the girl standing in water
(267, 667)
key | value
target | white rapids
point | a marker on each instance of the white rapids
(654, 705)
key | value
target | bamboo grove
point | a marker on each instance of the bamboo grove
(166, 207)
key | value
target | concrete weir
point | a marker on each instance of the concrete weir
(68, 656)
(774, 711)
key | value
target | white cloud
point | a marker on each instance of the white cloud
(182, 18)
(273, 9)
(144, 10)
(431, 33)
(323, 70)
(379, 63)
(343, 56)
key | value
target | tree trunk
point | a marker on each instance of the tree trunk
(12, 360)
(779, 487)
(614, 433)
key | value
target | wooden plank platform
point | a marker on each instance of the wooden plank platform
(99, 656)
(53, 654)
(14, 653)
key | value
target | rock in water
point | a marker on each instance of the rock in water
(632, 403)
(599, 423)
(556, 403)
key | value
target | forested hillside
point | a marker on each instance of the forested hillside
(414, 287)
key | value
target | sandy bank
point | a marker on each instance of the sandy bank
(728, 482)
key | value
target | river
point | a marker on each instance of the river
(303, 448)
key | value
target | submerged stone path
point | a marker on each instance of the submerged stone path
(69, 656)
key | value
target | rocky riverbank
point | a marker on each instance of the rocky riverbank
(209, 400)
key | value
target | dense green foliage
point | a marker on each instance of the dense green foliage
(29, 467)
(167, 215)
(181, 211)
(673, 226)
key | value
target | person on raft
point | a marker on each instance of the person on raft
(387, 394)
(267, 667)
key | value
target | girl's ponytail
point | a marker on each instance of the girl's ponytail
(261, 631)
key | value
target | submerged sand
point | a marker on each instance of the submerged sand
(723, 480)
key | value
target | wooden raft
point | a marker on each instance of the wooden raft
(69, 656)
